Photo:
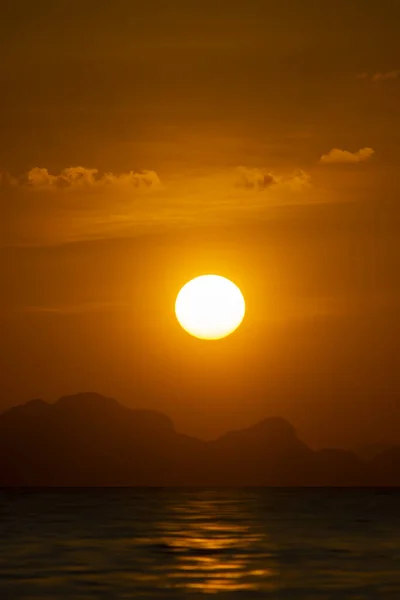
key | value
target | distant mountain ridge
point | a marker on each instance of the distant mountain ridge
(91, 440)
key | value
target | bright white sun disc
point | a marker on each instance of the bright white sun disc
(210, 307)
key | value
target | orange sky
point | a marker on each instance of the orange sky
(142, 146)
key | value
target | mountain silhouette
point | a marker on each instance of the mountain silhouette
(90, 440)
(386, 467)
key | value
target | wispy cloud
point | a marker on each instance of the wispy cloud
(336, 156)
(298, 309)
(76, 309)
(379, 76)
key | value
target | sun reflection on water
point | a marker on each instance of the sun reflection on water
(216, 547)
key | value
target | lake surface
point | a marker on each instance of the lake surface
(303, 544)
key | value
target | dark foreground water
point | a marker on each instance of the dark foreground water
(267, 543)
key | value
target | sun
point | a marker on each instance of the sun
(210, 307)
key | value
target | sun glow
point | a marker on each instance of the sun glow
(210, 307)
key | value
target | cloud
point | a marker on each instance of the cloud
(336, 156)
(260, 180)
(384, 76)
(297, 181)
(73, 178)
(7, 179)
(254, 179)
(81, 204)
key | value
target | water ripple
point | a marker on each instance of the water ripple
(299, 544)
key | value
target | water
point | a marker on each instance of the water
(303, 544)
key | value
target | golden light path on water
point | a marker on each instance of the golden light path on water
(215, 548)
